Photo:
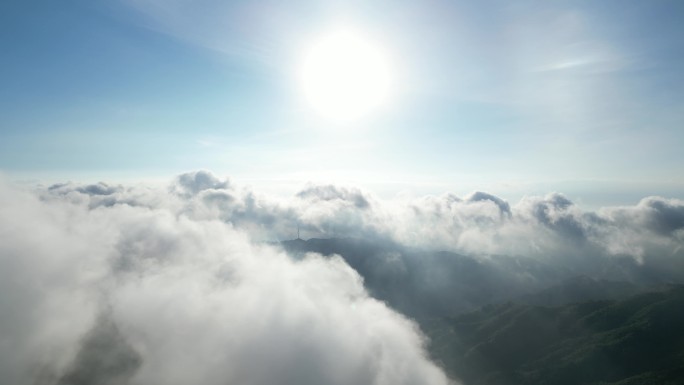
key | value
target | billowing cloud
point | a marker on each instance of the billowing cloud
(479, 224)
(191, 183)
(146, 289)
(482, 196)
(333, 193)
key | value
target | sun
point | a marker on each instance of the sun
(345, 76)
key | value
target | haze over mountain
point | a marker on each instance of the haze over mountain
(426, 284)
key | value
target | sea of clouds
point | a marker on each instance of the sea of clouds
(114, 284)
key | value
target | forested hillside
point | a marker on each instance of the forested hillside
(639, 340)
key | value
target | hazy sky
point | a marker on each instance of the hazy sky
(583, 97)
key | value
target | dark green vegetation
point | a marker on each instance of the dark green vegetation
(515, 320)
(639, 340)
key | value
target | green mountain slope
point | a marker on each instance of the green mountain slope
(639, 340)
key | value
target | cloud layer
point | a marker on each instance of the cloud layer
(480, 224)
(109, 285)
(547, 227)
(116, 284)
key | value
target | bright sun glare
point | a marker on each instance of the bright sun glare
(344, 76)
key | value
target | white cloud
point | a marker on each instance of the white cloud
(176, 297)
(479, 224)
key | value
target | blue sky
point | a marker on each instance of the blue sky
(582, 97)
